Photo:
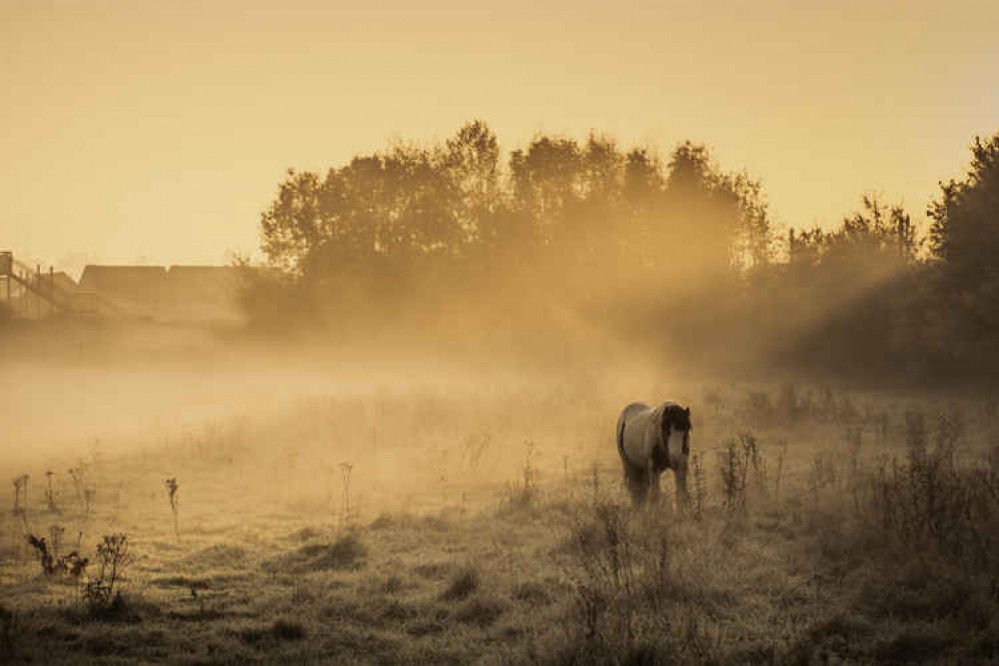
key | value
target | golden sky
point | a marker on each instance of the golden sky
(158, 131)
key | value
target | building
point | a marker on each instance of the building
(182, 293)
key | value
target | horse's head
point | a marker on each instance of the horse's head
(676, 424)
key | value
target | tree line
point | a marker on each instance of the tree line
(568, 242)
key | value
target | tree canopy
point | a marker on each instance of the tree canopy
(564, 233)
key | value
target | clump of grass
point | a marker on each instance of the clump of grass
(182, 581)
(433, 570)
(480, 612)
(218, 556)
(522, 496)
(915, 432)
(392, 585)
(407, 521)
(627, 596)
(280, 630)
(823, 474)
(288, 630)
(463, 584)
(346, 553)
(10, 631)
(303, 535)
(531, 593)
(929, 500)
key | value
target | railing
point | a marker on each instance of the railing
(35, 282)
(42, 287)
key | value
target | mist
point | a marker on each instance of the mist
(394, 438)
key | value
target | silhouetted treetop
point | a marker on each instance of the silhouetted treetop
(965, 228)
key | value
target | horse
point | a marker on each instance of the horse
(650, 441)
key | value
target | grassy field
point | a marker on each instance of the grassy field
(491, 526)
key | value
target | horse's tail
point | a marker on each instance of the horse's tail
(620, 438)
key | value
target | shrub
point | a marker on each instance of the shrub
(462, 585)
(740, 462)
(480, 612)
(345, 553)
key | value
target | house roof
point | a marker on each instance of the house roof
(133, 283)
(215, 280)
(182, 292)
(64, 282)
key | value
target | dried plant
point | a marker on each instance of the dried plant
(19, 513)
(781, 460)
(346, 468)
(49, 559)
(172, 486)
(88, 502)
(732, 468)
(50, 498)
(20, 493)
(113, 559)
(78, 475)
(700, 486)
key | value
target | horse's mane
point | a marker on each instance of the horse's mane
(679, 417)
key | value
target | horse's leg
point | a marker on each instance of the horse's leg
(680, 479)
(635, 480)
(653, 476)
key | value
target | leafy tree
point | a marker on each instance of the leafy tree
(965, 228)
(964, 237)
(722, 216)
(415, 229)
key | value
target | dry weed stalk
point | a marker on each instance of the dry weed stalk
(88, 503)
(595, 483)
(50, 500)
(345, 511)
(529, 472)
(172, 487)
(700, 486)
(781, 459)
(19, 514)
(77, 474)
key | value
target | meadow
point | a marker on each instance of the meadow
(461, 523)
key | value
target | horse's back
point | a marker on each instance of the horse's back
(633, 410)
(632, 436)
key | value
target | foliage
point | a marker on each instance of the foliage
(964, 238)
(414, 229)
(437, 240)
